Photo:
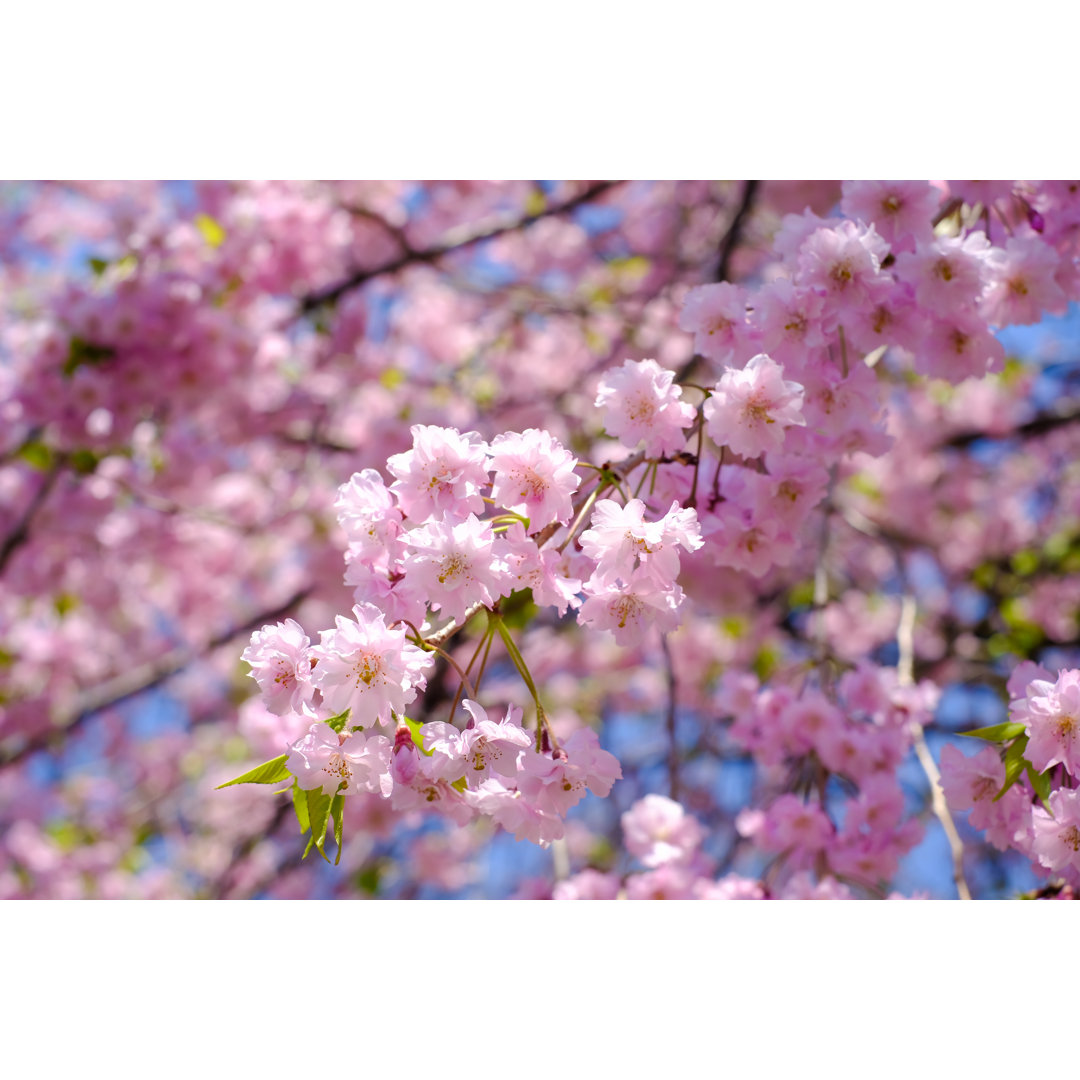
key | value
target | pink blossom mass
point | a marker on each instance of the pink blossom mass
(587, 540)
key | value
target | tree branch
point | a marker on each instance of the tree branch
(332, 293)
(21, 532)
(733, 234)
(144, 677)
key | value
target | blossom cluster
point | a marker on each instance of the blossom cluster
(840, 809)
(1036, 810)
(667, 841)
(419, 553)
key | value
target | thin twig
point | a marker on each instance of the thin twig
(673, 746)
(905, 666)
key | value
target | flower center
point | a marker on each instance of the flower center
(943, 270)
(367, 668)
(453, 566)
(339, 767)
(641, 408)
(1070, 837)
(626, 608)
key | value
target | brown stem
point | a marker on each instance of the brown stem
(332, 293)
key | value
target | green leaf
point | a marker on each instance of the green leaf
(414, 730)
(99, 266)
(83, 462)
(1014, 764)
(85, 352)
(299, 801)
(318, 808)
(518, 609)
(211, 230)
(338, 722)
(996, 733)
(459, 785)
(65, 602)
(801, 595)
(337, 808)
(367, 879)
(37, 455)
(269, 772)
(1040, 783)
(1025, 562)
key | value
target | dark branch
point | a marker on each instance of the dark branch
(329, 295)
(728, 243)
(733, 234)
(145, 677)
(1068, 412)
(21, 532)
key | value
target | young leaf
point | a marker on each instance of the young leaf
(1040, 782)
(996, 733)
(337, 808)
(1014, 764)
(37, 455)
(269, 772)
(299, 801)
(318, 808)
(338, 722)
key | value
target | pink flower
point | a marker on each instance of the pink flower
(515, 813)
(493, 745)
(1025, 673)
(973, 783)
(280, 660)
(1057, 839)
(808, 720)
(658, 830)
(958, 347)
(543, 571)
(716, 316)
(669, 882)
(455, 563)
(947, 274)
(534, 477)
(1051, 714)
(750, 409)
(790, 320)
(442, 473)
(641, 402)
(970, 783)
(803, 887)
(901, 211)
(588, 885)
(353, 763)
(792, 825)
(1021, 285)
(731, 887)
(632, 609)
(621, 540)
(555, 783)
(367, 512)
(843, 265)
(367, 668)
